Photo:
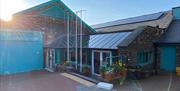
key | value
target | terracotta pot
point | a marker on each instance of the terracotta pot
(109, 76)
(124, 73)
(86, 72)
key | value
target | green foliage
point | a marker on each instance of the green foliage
(66, 63)
(85, 67)
(118, 67)
(103, 69)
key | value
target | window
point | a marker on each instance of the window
(144, 57)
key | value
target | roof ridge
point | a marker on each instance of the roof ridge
(38, 7)
(125, 20)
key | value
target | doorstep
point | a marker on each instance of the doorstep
(85, 77)
(78, 79)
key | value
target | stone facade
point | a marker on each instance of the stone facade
(143, 43)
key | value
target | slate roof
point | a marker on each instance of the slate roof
(137, 19)
(172, 35)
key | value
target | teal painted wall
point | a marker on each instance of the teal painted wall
(176, 13)
(20, 52)
(168, 58)
(58, 56)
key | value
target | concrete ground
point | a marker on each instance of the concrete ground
(37, 81)
(45, 81)
(156, 83)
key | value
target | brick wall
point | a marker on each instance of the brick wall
(51, 27)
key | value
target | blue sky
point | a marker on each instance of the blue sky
(99, 11)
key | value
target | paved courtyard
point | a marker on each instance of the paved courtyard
(156, 83)
(37, 81)
(45, 81)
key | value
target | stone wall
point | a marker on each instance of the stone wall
(144, 42)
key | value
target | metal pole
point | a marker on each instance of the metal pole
(76, 43)
(68, 37)
(81, 43)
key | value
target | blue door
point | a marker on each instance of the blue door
(168, 58)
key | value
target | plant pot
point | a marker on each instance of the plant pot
(86, 72)
(102, 74)
(124, 73)
(109, 76)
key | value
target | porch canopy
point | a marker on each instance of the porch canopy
(111, 40)
(172, 35)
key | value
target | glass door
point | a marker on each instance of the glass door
(96, 62)
(100, 59)
(106, 59)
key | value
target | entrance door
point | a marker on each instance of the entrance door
(50, 60)
(168, 58)
(100, 59)
(96, 62)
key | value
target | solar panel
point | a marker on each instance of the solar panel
(130, 20)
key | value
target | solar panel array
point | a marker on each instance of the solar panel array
(130, 20)
(107, 41)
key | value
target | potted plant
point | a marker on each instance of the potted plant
(102, 71)
(67, 66)
(109, 75)
(86, 70)
(119, 69)
(66, 63)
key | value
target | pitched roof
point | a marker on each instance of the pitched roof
(108, 40)
(55, 9)
(131, 37)
(172, 34)
(111, 40)
(137, 19)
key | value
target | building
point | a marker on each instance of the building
(168, 50)
(53, 19)
(143, 40)
(160, 49)
(104, 49)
